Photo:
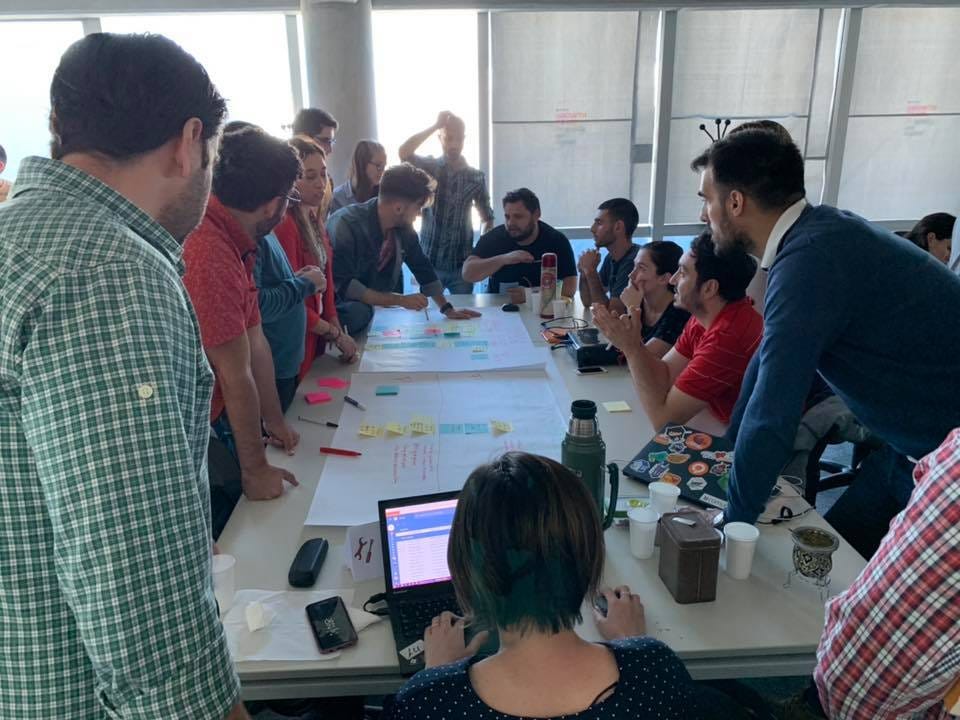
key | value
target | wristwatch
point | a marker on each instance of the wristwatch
(446, 306)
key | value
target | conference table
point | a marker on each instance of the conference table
(755, 628)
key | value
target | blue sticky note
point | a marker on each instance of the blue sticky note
(479, 356)
(388, 389)
(451, 429)
(476, 428)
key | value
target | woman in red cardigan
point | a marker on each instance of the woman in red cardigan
(304, 240)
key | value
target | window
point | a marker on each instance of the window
(902, 142)
(244, 54)
(562, 105)
(425, 61)
(745, 65)
(32, 51)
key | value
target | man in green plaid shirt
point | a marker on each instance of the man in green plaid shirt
(106, 602)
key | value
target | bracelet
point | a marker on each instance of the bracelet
(446, 306)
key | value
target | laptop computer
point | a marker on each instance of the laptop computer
(698, 463)
(414, 533)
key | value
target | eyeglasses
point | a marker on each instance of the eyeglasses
(330, 142)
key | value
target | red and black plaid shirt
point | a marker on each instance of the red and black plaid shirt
(891, 647)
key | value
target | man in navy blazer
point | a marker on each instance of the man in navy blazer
(875, 315)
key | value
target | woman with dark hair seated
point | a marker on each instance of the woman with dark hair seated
(934, 234)
(526, 549)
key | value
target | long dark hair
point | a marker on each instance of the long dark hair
(363, 153)
(940, 224)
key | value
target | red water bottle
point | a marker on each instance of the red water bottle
(548, 284)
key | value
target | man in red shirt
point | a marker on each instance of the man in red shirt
(705, 368)
(252, 182)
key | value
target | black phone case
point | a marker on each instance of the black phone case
(306, 565)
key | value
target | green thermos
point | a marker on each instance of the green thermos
(584, 452)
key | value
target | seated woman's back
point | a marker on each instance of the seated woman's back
(648, 680)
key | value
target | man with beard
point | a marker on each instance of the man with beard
(510, 254)
(252, 180)
(371, 241)
(612, 229)
(446, 233)
(108, 607)
(843, 297)
(705, 368)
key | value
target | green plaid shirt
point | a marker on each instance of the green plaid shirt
(106, 601)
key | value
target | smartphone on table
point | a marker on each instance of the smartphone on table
(331, 625)
(592, 370)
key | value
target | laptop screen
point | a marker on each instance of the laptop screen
(417, 537)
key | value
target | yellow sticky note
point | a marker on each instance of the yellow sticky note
(423, 425)
(369, 430)
(501, 426)
(616, 406)
(396, 429)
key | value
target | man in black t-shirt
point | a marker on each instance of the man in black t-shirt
(510, 253)
(612, 229)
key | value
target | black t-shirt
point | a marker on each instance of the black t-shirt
(498, 242)
(615, 274)
(668, 327)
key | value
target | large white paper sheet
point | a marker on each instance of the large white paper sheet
(405, 341)
(462, 407)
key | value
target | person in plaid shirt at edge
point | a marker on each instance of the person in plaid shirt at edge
(107, 604)
(447, 230)
(891, 646)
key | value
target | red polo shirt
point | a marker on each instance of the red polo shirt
(219, 256)
(719, 356)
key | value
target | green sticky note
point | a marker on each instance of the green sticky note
(451, 334)
(476, 428)
(388, 389)
(451, 429)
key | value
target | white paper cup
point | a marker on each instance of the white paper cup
(561, 308)
(740, 544)
(532, 299)
(224, 584)
(663, 497)
(643, 531)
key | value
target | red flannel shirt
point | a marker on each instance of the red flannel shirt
(219, 256)
(288, 234)
(891, 646)
(719, 356)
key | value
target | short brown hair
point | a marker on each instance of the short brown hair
(312, 121)
(407, 182)
(526, 546)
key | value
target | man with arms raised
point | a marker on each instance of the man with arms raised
(705, 368)
(847, 299)
(108, 608)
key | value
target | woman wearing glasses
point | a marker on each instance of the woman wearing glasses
(366, 169)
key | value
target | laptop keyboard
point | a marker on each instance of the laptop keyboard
(416, 616)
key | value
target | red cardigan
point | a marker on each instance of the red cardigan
(289, 236)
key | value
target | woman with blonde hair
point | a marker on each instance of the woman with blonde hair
(366, 169)
(304, 240)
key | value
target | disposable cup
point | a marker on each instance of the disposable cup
(663, 497)
(740, 541)
(643, 532)
(561, 308)
(224, 584)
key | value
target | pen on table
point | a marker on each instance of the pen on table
(317, 422)
(353, 402)
(426, 314)
(338, 451)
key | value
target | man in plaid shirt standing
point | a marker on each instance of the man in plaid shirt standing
(891, 646)
(107, 604)
(447, 231)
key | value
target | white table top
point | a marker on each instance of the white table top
(755, 627)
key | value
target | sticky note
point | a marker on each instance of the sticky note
(391, 333)
(451, 429)
(433, 331)
(332, 382)
(317, 397)
(501, 426)
(616, 406)
(395, 428)
(476, 428)
(388, 389)
(452, 334)
(367, 430)
(423, 425)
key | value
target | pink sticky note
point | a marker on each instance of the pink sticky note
(391, 333)
(332, 382)
(434, 331)
(318, 397)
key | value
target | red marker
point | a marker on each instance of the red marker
(338, 451)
